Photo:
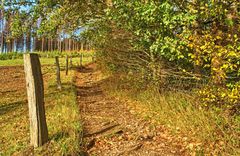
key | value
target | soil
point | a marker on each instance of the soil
(109, 127)
(12, 82)
(11, 79)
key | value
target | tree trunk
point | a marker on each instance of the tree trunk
(67, 65)
(2, 30)
(28, 42)
(43, 44)
(70, 45)
(82, 46)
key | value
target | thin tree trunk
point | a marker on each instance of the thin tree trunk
(70, 45)
(67, 65)
(51, 44)
(60, 45)
(82, 46)
(2, 29)
(43, 40)
(48, 46)
(28, 42)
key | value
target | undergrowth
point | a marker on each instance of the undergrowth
(203, 131)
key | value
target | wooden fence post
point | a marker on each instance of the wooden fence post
(67, 65)
(71, 65)
(81, 60)
(35, 93)
(59, 84)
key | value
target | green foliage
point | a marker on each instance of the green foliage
(153, 24)
(199, 34)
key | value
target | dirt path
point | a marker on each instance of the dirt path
(110, 128)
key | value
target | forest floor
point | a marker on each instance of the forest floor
(109, 127)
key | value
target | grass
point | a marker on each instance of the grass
(44, 61)
(203, 132)
(62, 112)
(46, 54)
(63, 117)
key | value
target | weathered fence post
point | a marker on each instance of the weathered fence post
(35, 93)
(67, 65)
(81, 60)
(59, 84)
(71, 65)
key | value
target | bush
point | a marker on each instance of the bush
(227, 98)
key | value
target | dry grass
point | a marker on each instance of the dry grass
(62, 112)
(44, 61)
(204, 132)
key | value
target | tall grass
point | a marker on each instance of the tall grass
(205, 131)
(49, 61)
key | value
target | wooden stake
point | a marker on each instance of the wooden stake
(35, 92)
(81, 60)
(67, 65)
(71, 65)
(59, 84)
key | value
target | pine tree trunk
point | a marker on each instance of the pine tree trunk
(43, 44)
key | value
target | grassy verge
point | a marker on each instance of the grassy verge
(62, 112)
(203, 132)
(47, 54)
(62, 117)
(45, 61)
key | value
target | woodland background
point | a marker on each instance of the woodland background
(164, 47)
